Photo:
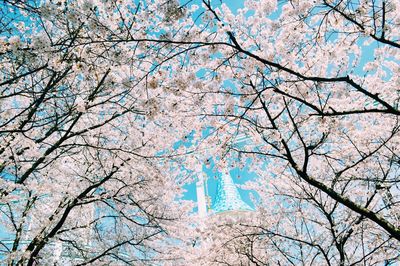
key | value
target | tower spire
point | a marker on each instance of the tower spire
(228, 197)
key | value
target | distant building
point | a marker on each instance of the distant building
(227, 198)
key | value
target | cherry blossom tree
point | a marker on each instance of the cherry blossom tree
(95, 93)
(80, 181)
(314, 87)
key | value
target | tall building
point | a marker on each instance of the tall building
(227, 197)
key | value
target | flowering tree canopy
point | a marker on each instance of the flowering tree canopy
(95, 96)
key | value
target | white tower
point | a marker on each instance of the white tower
(201, 197)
